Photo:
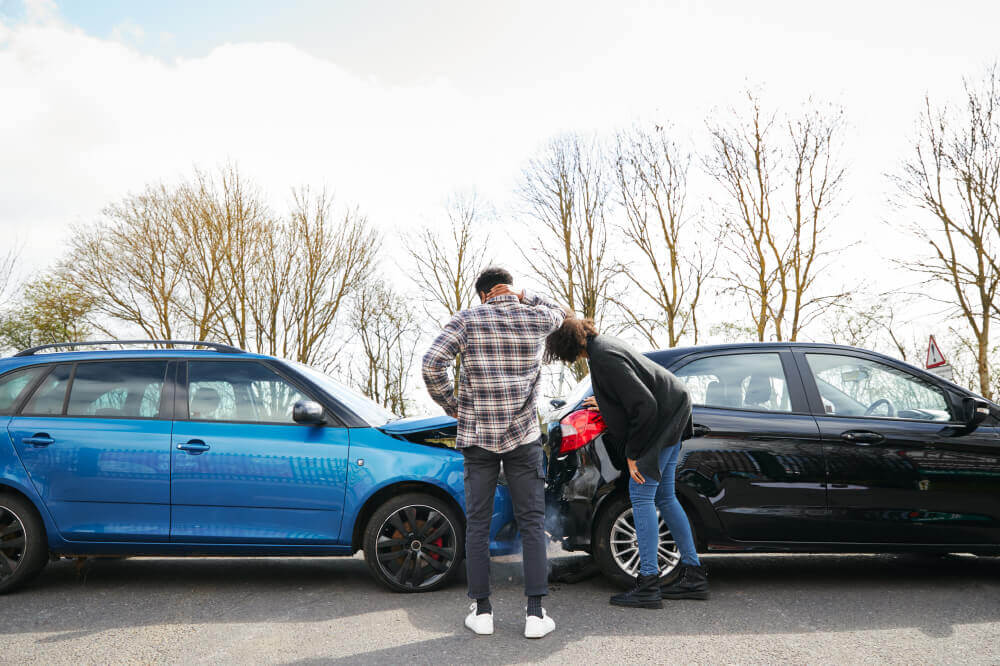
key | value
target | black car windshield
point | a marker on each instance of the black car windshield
(370, 411)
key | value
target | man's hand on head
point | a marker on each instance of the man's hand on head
(504, 290)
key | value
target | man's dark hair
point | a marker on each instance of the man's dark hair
(566, 342)
(491, 277)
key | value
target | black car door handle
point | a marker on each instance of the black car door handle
(700, 430)
(862, 437)
(194, 447)
(39, 440)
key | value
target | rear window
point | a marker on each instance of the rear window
(738, 381)
(123, 389)
(13, 385)
(50, 396)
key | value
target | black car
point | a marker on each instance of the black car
(798, 448)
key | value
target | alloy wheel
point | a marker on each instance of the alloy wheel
(416, 546)
(13, 541)
(625, 546)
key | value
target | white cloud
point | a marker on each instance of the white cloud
(84, 120)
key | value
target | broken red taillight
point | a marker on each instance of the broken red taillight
(579, 429)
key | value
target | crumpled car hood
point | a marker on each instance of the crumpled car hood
(418, 423)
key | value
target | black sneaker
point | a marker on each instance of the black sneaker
(691, 583)
(645, 594)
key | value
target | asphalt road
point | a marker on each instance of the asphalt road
(764, 609)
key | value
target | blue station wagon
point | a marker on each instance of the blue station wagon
(214, 451)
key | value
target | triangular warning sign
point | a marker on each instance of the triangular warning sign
(935, 359)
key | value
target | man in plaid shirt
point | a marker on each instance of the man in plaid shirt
(500, 343)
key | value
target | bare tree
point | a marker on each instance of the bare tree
(447, 263)
(565, 191)
(871, 323)
(127, 263)
(953, 176)
(334, 257)
(386, 328)
(8, 272)
(652, 173)
(208, 259)
(782, 181)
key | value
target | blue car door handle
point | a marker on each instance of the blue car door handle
(39, 440)
(194, 447)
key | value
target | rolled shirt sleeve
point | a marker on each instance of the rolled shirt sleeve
(551, 314)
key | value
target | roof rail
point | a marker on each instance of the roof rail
(213, 346)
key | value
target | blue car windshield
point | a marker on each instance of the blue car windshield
(370, 411)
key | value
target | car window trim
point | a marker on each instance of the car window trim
(816, 399)
(797, 396)
(331, 420)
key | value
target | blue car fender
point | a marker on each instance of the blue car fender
(378, 461)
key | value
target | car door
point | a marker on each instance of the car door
(902, 467)
(243, 470)
(757, 454)
(95, 439)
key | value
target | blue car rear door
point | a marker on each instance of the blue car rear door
(95, 442)
(243, 470)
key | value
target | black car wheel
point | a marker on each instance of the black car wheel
(414, 543)
(23, 547)
(616, 546)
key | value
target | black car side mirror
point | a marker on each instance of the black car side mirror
(976, 411)
(307, 412)
(557, 403)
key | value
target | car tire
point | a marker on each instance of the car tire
(24, 549)
(613, 523)
(414, 543)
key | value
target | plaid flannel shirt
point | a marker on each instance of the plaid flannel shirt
(500, 342)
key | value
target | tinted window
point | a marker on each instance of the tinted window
(239, 391)
(121, 389)
(50, 395)
(13, 384)
(851, 386)
(740, 381)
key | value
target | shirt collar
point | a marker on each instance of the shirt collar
(506, 298)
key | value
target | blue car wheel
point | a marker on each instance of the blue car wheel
(23, 547)
(414, 543)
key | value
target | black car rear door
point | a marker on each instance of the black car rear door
(901, 467)
(758, 456)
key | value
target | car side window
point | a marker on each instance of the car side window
(49, 397)
(738, 381)
(13, 384)
(852, 386)
(117, 389)
(241, 391)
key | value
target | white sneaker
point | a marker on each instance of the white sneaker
(481, 624)
(536, 627)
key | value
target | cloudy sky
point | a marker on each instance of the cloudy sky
(396, 104)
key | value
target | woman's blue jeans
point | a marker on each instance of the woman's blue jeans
(646, 499)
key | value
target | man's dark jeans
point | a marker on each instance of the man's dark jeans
(523, 469)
